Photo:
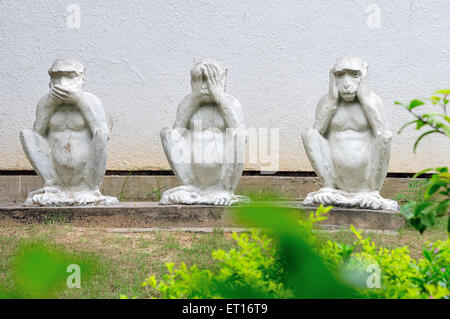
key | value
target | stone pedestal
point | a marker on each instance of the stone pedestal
(151, 214)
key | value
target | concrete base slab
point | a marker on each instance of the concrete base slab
(153, 215)
(15, 188)
(179, 229)
(323, 228)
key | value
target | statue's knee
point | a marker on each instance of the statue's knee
(309, 136)
(26, 134)
(174, 136)
(27, 138)
(103, 135)
(385, 136)
(166, 139)
(164, 133)
(168, 134)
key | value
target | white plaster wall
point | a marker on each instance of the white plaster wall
(138, 56)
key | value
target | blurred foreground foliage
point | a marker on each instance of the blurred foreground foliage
(284, 259)
(40, 270)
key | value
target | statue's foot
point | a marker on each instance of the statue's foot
(219, 199)
(187, 195)
(326, 196)
(373, 200)
(180, 195)
(241, 200)
(370, 200)
(109, 201)
(46, 196)
(225, 198)
(86, 198)
(389, 204)
(51, 196)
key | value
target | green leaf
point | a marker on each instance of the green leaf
(407, 210)
(432, 114)
(441, 209)
(405, 125)
(435, 99)
(419, 125)
(443, 92)
(444, 175)
(416, 223)
(448, 224)
(419, 208)
(422, 172)
(421, 137)
(428, 219)
(431, 190)
(415, 103)
(446, 130)
(427, 255)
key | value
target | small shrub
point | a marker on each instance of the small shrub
(435, 201)
(261, 267)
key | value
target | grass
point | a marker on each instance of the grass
(122, 190)
(156, 192)
(124, 260)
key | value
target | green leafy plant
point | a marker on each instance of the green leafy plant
(414, 192)
(435, 190)
(434, 202)
(275, 263)
(435, 122)
(400, 275)
(270, 264)
(253, 266)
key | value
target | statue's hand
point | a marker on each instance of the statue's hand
(215, 85)
(52, 100)
(194, 99)
(333, 92)
(363, 92)
(65, 95)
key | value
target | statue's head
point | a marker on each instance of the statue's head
(68, 74)
(199, 76)
(347, 72)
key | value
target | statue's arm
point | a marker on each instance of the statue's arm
(184, 112)
(44, 111)
(372, 109)
(92, 109)
(324, 113)
(231, 110)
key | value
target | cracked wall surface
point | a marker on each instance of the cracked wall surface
(138, 56)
